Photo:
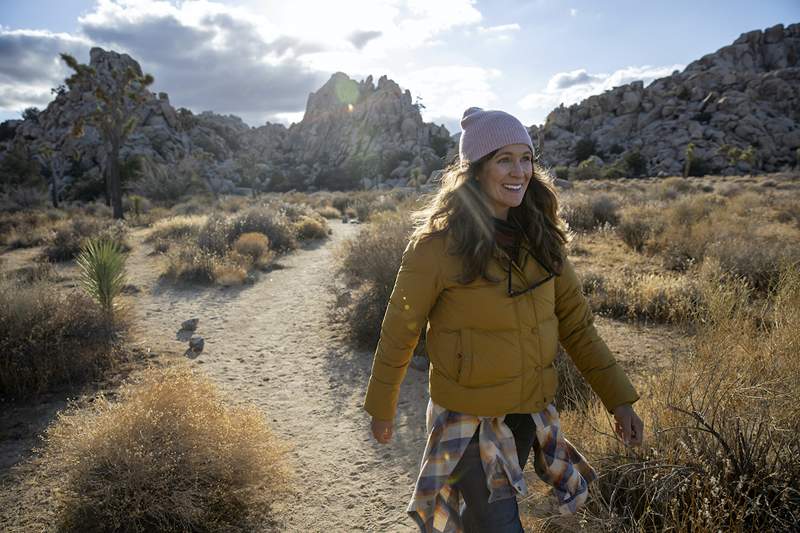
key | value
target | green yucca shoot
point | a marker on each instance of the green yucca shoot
(102, 264)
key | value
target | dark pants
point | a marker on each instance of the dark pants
(500, 516)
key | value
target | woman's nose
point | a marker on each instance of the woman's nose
(516, 169)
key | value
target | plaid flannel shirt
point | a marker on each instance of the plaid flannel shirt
(435, 505)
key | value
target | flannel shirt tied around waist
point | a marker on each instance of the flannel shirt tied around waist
(435, 505)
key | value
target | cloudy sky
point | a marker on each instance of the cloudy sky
(261, 59)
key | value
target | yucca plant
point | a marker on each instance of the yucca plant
(102, 264)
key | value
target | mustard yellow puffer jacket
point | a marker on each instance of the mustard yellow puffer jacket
(490, 353)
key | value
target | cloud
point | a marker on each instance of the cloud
(448, 90)
(31, 65)
(573, 12)
(361, 38)
(573, 87)
(255, 58)
(499, 29)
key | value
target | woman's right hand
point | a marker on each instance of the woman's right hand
(382, 430)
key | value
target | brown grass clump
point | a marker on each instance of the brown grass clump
(368, 266)
(189, 264)
(721, 451)
(643, 296)
(50, 338)
(587, 212)
(308, 228)
(266, 219)
(171, 454)
(176, 228)
(253, 244)
(328, 211)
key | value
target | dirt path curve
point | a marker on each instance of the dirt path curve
(270, 343)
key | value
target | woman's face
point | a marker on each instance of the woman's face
(504, 178)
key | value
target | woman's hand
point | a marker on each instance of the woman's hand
(628, 425)
(382, 430)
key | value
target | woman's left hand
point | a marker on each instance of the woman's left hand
(629, 426)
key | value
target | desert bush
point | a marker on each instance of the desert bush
(273, 223)
(588, 169)
(310, 228)
(182, 227)
(638, 224)
(49, 338)
(21, 198)
(647, 297)
(724, 453)
(584, 148)
(168, 184)
(328, 211)
(190, 264)
(252, 244)
(561, 172)
(368, 266)
(584, 213)
(102, 266)
(170, 454)
(217, 234)
(70, 236)
(636, 163)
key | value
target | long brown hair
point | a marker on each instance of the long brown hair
(458, 207)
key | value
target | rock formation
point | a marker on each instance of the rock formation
(349, 127)
(745, 94)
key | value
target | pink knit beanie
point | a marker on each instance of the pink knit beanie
(485, 131)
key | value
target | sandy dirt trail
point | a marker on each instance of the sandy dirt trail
(271, 343)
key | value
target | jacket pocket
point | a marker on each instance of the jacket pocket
(488, 357)
(444, 351)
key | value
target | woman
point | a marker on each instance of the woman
(487, 269)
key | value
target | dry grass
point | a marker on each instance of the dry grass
(368, 267)
(50, 338)
(170, 454)
(328, 211)
(253, 244)
(308, 228)
(176, 228)
(722, 452)
(71, 235)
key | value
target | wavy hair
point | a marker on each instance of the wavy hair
(459, 208)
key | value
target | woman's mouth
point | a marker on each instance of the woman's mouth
(514, 188)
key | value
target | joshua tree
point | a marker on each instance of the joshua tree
(689, 158)
(114, 115)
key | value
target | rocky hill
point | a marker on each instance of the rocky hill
(352, 134)
(359, 134)
(745, 94)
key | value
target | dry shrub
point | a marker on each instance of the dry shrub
(216, 235)
(672, 187)
(252, 244)
(585, 213)
(368, 266)
(49, 338)
(192, 265)
(638, 224)
(176, 228)
(328, 211)
(272, 222)
(71, 235)
(722, 452)
(308, 228)
(573, 391)
(171, 454)
(641, 296)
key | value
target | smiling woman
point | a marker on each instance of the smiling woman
(487, 269)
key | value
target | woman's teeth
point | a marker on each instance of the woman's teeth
(512, 187)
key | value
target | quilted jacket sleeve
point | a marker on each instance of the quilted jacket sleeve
(579, 338)
(416, 289)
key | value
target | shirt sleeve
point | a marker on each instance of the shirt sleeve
(416, 290)
(590, 353)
